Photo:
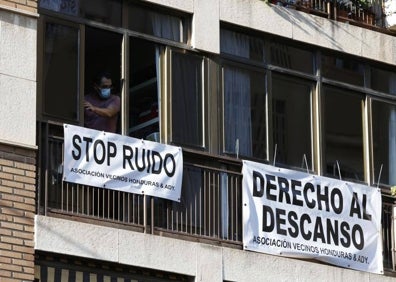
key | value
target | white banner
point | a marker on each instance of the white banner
(123, 163)
(296, 214)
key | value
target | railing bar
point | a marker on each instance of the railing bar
(144, 214)
(232, 209)
(98, 202)
(218, 206)
(207, 168)
(204, 200)
(208, 203)
(72, 198)
(194, 208)
(67, 196)
(128, 203)
(134, 213)
(152, 214)
(78, 196)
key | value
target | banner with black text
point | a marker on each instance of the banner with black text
(123, 163)
(296, 214)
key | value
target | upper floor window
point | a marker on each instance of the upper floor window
(342, 69)
(242, 45)
(166, 25)
(290, 57)
(383, 80)
(104, 11)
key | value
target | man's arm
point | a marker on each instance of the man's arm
(110, 111)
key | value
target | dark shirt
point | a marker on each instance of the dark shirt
(95, 121)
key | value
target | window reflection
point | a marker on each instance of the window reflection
(104, 11)
(342, 134)
(144, 89)
(344, 70)
(383, 80)
(158, 24)
(241, 45)
(291, 105)
(60, 72)
(244, 113)
(290, 57)
(384, 139)
(187, 117)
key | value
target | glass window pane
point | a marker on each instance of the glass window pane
(60, 72)
(241, 45)
(67, 7)
(143, 99)
(384, 81)
(343, 134)
(156, 23)
(291, 105)
(384, 138)
(187, 117)
(104, 11)
(344, 70)
(244, 113)
(290, 57)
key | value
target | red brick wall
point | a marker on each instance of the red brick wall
(17, 210)
(26, 5)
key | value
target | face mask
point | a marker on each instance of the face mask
(104, 93)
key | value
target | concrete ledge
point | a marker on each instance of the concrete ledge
(205, 262)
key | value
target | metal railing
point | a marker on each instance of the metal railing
(210, 205)
(371, 16)
(210, 208)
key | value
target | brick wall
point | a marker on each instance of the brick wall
(26, 5)
(17, 210)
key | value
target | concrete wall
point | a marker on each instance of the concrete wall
(18, 40)
(202, 261)
(288, 23)
(309, 28)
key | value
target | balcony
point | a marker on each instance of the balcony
(210, 210)
(366, 14)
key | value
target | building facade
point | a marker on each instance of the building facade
(294, 85)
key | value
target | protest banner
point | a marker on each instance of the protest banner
(123, 163)
(296, 214)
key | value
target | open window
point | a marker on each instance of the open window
(144, 89)
(103, 54)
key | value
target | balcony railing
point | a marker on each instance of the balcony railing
(367, 14)
(210, 209)
(210, 205)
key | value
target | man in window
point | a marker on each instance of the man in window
(101, 107)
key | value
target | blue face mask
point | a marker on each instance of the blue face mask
(104, 93)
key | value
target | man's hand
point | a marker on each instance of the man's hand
(89, 106)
